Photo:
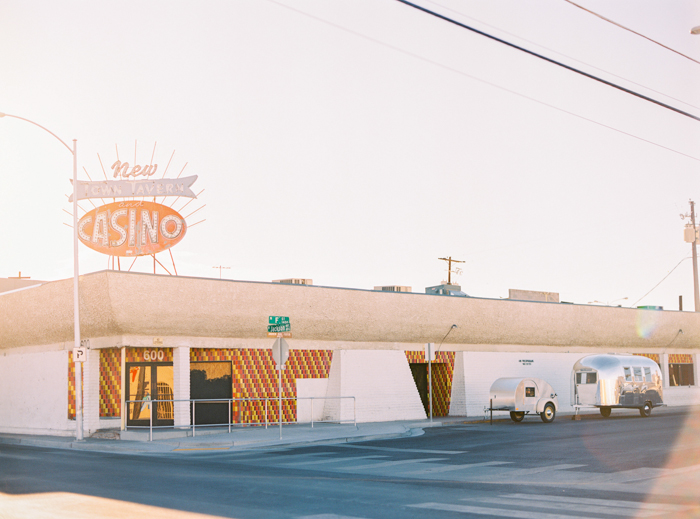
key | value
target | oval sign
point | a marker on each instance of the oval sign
(132, 228)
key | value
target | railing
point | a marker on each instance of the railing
(170, 405)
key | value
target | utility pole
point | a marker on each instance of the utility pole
(450, 261)
(220, 267)
(695, 258)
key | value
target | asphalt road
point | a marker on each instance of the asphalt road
(623, 466)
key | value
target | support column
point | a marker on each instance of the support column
(696, 369)
(91, 392)
(181, 381)
(663, 364)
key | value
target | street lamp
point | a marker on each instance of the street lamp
(76, 298)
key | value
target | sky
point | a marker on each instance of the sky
(355, 142)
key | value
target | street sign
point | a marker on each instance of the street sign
(80, 354)
(286, 335)
(280, 357)
(276, 319)
(277, 328)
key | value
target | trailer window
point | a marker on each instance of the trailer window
(628, 374)
(586, 378)
(647, 374)
(638, 375)
(529, 392)
(592, 378)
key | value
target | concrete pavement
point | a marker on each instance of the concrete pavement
(253, 437)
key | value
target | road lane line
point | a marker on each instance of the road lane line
(517, 514)
(331, 460)
(393, 463)
(635, 508)
(466, 466)
(593, 501)
(394, 449)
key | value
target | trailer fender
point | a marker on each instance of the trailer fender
(544, 401)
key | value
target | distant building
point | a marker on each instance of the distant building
(393, 288)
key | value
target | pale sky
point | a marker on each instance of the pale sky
(356, 142)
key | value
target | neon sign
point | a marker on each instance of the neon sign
(131, 228)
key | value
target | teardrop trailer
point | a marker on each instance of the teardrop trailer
(521, 396)
(616, 382)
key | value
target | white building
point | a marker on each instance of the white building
(179, 338)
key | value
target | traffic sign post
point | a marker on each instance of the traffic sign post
(279, 327)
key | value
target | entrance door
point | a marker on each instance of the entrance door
(212, 380)
(149, 381)
(420, 376)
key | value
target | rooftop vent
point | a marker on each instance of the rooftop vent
(393, 288)
(446, 290)
(294, 281)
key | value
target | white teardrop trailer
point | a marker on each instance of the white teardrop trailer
(616, 382)
(521, 396)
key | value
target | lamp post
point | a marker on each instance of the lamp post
(76, 297)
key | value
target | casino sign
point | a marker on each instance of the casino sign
(131, 227)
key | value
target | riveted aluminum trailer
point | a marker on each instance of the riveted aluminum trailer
(521, 396)
(616, 381)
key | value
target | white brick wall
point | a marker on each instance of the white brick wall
(181, 383)
(311, 387)
(381, 382)
(91, 392)
(475, 372)
(38, 385)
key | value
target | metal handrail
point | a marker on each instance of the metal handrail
(194, 401)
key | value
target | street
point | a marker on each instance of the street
(622, 466)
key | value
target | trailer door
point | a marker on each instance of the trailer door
(586, 385)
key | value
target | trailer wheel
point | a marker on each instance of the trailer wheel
(517, 416)
(646, 410)
(548, 414)
(605, 411)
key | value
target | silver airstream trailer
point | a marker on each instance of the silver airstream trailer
(522, 396)
(616, 381)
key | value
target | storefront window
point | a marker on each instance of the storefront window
(681, 375)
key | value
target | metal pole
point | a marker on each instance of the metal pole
(150, 422)
(266, 413)
(491, 409)
(76, 299)
(312, 411)
(430, 378)
(194, 403)
(280, 390)
(230, 404)
(696, 291)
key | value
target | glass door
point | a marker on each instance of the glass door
(147, 381)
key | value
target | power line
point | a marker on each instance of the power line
(664, 279)
(632, 31)
(646, 87)
(549, 60)
(483, 81)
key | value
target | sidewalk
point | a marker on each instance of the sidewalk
(240, 438)
(258, 437)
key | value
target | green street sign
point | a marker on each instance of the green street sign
(279, 328)
(276, 319)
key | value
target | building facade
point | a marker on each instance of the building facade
(155, 337)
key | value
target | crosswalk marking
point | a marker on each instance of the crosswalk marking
(481, 510)
(592, 501)
(466, 466)
(576, 507)
(393, 449)
(330, 460)
(392, 463)
(538, 470)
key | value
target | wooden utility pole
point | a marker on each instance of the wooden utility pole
(450, 261)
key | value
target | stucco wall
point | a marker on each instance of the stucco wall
(34, 393)
(119, 303)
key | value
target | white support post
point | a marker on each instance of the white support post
(663, 364)
(181, 383)
(91, 392)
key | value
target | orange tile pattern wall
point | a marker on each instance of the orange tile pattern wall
(255, 377)
(71, 386)
(110, 383)
(442, 370)
(652, 356)
(680, 358)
